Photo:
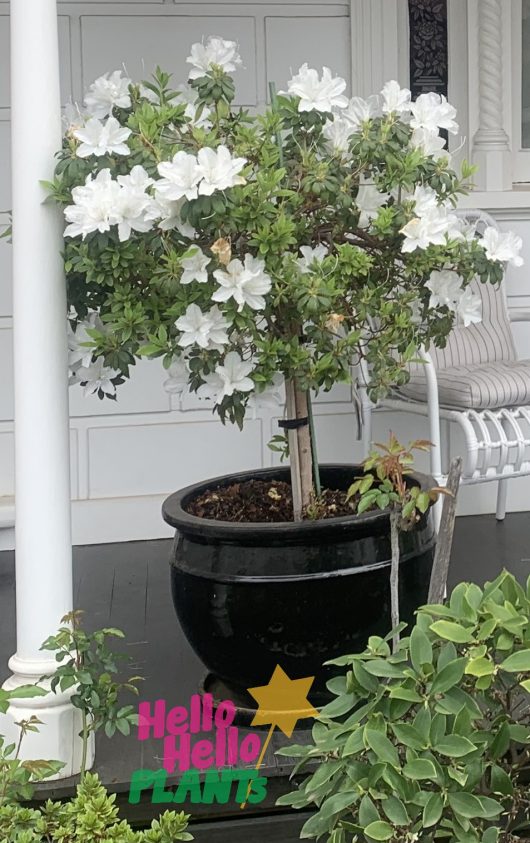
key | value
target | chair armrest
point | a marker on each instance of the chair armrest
(519, 314)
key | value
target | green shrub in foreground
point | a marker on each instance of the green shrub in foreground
(91, 817)
(430, 743)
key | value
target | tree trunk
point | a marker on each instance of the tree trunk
(395, 516)
(299, 450)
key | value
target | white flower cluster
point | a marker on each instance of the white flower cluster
(189, 176)
(216, 53)
(433, 224)
(427, 115)
(446, 290)
(94, 375)
(103, 202)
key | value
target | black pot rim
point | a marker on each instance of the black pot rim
(174, 512)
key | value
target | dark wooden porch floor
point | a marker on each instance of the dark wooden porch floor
(127, 586)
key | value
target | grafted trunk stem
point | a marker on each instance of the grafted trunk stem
(299, 450)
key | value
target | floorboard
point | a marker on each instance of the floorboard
(127, 586)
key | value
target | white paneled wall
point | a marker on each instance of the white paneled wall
(127, 455)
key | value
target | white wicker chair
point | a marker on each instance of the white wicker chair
(453, 386)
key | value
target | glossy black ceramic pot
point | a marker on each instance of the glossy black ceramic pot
(251, 596)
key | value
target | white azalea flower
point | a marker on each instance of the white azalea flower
(180, 177)
(311, 254)
(195, 267)
(446, 289)
(396, 99)
(138, 179)
(337, 133)
(216, 53)
(432, 112)
(430, 229)
(246, 283)
(503, 247)
(110, 90)
(469, 308)
(317, 94)
(99, 138)
(358, 110)
(425, 200)
(230, 377)
(79, 353)
(207, 330)
(430, 143)
(178, 375)
(188, 95)
(368, 200)
(218, 170)
(132, 208)
(96, 377)
(95, 206)
(167, 213)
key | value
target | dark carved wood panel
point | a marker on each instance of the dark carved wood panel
(428, 46)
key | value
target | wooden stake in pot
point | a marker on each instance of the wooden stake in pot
(440, 568)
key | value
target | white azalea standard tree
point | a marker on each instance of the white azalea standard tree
(240, 248)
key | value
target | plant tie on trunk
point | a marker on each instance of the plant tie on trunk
(293, 424)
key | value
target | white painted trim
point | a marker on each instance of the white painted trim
(42, 466)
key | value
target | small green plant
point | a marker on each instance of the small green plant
(384, 485)
(431, 742)
(87, 665)
(91, 817)
(16, 776)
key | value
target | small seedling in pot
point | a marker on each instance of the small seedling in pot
(384, 486)
(87, 665)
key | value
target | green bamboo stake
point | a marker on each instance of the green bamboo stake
(314, 453)
(274, 104)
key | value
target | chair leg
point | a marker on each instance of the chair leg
(367, 428)
(502, 488)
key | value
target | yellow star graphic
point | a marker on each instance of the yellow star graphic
(283, 701)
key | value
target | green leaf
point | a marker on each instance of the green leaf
(395, 811)
(408, 735)
(382, 747)
(420, 649)
(466, 805)
(501, 742)
(518, 662)
(367, 811)
(433, 810)
(480, 667)
(500, 782)
(455, 746)
(451, 631)
(449, 676)
(420, 768)
(381, 667)
(379, 831)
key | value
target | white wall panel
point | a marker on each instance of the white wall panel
(319, 41)
(6, 381)
(7, 463)
(142, 393)
(5, 205)
(156, 459)
(141, 43)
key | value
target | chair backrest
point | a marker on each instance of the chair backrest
(491, 340)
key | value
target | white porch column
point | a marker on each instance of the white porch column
(42, 475)
(491, 144)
